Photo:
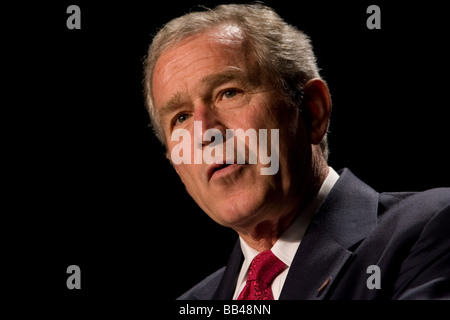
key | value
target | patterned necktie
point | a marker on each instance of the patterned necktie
(265, 267)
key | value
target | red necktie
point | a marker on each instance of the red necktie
(265, 267)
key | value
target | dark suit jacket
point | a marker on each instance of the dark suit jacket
(405, 234)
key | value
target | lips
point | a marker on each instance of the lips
(220, 169)
(214, 168)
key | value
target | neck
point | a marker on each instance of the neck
(262, 234)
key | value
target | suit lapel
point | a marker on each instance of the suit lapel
(226, 288)
(346, 217)
(316, 264)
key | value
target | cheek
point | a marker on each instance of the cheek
(255, 116)
(269, 112)
(186, 172)
(190, 175)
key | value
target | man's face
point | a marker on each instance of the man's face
(212, 78)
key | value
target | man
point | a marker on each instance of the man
(305, 231)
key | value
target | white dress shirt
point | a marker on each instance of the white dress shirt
(288, 243)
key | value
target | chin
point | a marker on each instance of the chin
(237, 213)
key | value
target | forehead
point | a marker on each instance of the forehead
(201, 54)
(222, 37)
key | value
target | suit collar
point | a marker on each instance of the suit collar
(349, 212)
(346, 217)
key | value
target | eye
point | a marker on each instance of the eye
(181, 118)
(229, 93)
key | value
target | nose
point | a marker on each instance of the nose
(205, 117)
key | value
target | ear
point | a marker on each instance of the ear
(317, 108)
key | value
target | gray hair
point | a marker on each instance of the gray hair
(281, 50)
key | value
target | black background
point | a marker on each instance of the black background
(88, 184)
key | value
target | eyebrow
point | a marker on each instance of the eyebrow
(172, 105)
(217, 79)
(208, 82)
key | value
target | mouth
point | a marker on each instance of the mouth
(219, 170)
